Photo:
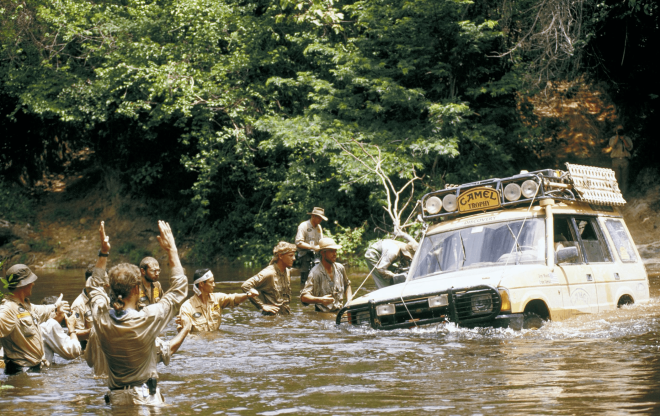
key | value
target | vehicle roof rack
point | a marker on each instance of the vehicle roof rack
(578, 183)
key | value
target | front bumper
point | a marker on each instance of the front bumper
(471, 306)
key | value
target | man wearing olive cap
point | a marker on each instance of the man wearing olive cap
(382, 254)
(307, 238)
(204, 309)
(20, 335)
(328, 281)
(274, 282)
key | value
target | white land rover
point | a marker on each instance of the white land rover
(513, 252)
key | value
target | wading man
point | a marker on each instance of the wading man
(307, 239)
(128, 336)
(274, 282)
(82, 311)
(56, 341)
(150, 289)
(204, 309)
(20, 335)
(328, 282)
(383, 254)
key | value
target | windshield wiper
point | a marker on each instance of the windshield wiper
(515, 240)
(463, 248)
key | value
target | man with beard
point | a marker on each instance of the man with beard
(150, 288)
(274, 282)
(328, 282)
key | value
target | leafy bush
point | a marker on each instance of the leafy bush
(16, 205)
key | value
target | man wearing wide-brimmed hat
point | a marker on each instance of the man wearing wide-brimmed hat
(328, 281)
(20, 334)
(307, 238)
(274, 282)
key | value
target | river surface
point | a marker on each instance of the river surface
(605, 364)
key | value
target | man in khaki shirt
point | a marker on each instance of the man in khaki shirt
(150, 289)
(274, 282)
(204, 308)
(307, 240)
(328, 281)
(619, 147)
(20, 335)
(82, 311)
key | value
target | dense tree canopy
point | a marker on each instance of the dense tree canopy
(242, 115)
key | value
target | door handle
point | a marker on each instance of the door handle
(590, 278)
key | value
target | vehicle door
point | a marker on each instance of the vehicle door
(628, 269)
(599, 258)
(581, 296)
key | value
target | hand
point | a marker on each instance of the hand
(105, 240)
(62, 307)
(326, 300)
(270, 308)
(59, 316)
(71, 323)
(252, 293)
(166, 238)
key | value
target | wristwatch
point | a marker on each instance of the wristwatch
(101, 254)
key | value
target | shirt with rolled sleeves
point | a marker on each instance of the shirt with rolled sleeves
(128, 337)
(81, 308)
(308, 234)
(207, 317)
(274, 287)
(20, 335)
(146, 298)
(320, 284)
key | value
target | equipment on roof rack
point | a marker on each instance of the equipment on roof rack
(591, 184)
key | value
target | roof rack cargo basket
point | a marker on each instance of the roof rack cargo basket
(577, 183)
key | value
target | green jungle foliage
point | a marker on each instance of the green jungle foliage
(237, 117)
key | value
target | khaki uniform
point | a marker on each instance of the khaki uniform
(381, 255)
(206, 317)
(620, 156)
(320, 284)
(145, 298)
(128, 338)
(20, 334)
(81, 308)
(310, 235)
(274, 288)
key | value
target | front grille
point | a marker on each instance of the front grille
(466, 306)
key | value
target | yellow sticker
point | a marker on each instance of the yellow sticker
(623, 253)
(478, 199)
(142, 294)
(23, 315)
(216, 307)
(156, 293)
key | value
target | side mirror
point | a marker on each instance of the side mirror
(399, 278)
(567, 255)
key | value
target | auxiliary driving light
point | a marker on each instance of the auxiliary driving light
(433, 205)
(529, 188)
(438, 301)
(387, 309)
(482, 303)
(512, 192)
(449, 202)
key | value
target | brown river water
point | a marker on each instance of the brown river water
(605, 364)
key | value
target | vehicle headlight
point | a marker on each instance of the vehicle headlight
(449, 202)
(512, 192)
(529, 188)
(506, 302)
(433, 205)
(387, 309)
(482, 303)
(438, 301)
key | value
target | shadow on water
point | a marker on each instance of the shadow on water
(304, 364)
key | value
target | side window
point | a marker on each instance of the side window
(622, 244)
(595, 248)
(564, 235)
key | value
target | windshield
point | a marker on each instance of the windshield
(482, 246)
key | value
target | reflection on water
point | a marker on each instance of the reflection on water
(304, 364)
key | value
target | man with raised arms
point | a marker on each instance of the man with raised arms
(204, 308)
(128, 336)
(274, 282)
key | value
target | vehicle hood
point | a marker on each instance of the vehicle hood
(491, 276)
